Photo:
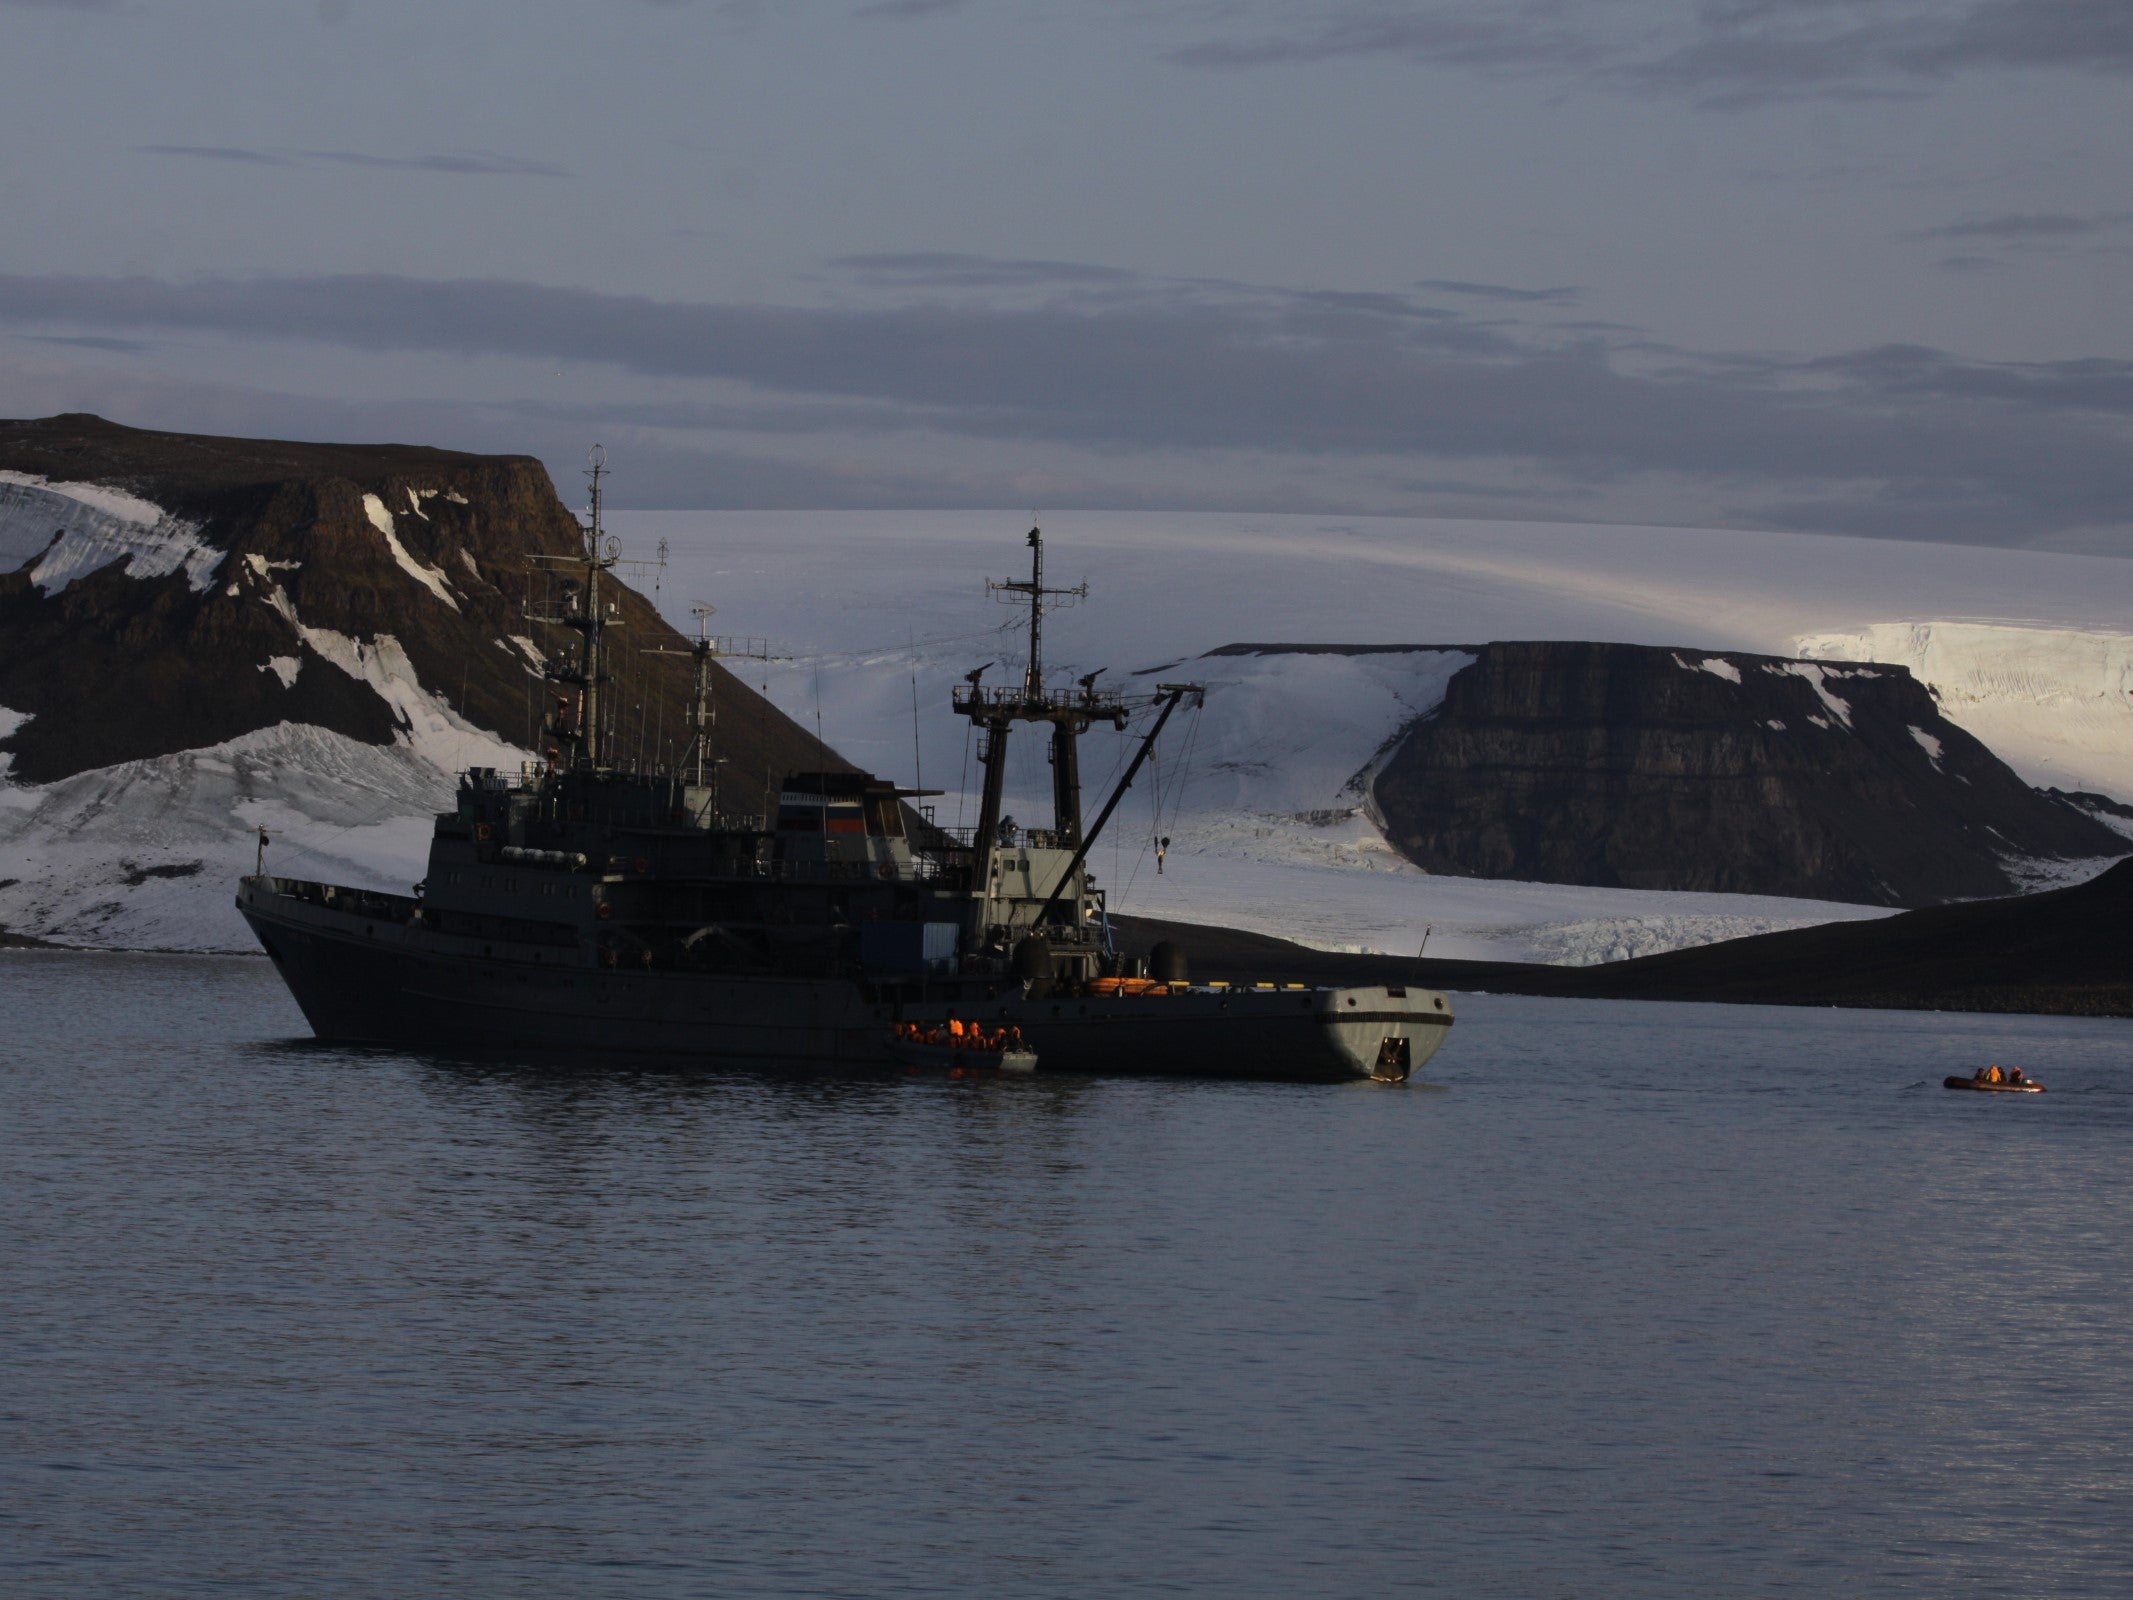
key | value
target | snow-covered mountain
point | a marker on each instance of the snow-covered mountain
(1568, 761)
(200, 636)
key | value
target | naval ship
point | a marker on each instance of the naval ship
(584, 904)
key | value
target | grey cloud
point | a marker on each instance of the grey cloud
(87, 341)
(2031, 225)
(1996, 450)
(1725, 53)
(1497, 291)
(1540, 33)
(473, 165)
(216, 152)
(950, 270)
(480, 166)
(2088, 35)
(908, 8)
(2093, 384)
(1114, 288)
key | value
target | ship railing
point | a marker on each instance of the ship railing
(338, 897)
(939, 838)
(919, 868)
(1098, 702)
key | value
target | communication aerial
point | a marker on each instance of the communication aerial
(577, 603)
(1032, 593)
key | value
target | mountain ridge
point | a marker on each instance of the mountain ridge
(325, 551)
(1719, 771)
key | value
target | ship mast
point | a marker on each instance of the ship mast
(583, 608)
(703, 650)
(1069, 712)
(1034, 592)
(592, 618)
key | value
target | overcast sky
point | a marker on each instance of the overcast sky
(1843, 265)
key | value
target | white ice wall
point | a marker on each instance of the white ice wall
(2056, 704)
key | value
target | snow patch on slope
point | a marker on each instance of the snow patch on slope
(74, 529)
(2035, 874)
(9, 722)
(429, 726)
(1716, 666)
(1817, 679)
(1294, 731)
(2056, 704)
(146, 854)
(431, 578)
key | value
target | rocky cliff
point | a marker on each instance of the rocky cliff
(1644, 767)
(198, 635)
(176, 591)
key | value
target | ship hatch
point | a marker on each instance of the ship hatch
(1392, 1062)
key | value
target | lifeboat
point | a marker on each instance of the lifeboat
(1128, 986)
(925, 1047)
(2010, 1085)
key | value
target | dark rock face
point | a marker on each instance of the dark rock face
(1653, 768)
(114, 667)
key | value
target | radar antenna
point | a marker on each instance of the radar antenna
(1034, 593)
(704, 649)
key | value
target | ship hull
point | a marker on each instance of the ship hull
(365, 979)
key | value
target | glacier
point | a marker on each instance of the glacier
(2054, 703)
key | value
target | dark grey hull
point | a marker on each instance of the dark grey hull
(361, 979)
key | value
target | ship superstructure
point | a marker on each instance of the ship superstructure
(585, 904)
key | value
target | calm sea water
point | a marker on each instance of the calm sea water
(1647, 1301)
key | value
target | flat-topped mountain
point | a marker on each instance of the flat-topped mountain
(1653, 768)
(202, 636)
(171, 592)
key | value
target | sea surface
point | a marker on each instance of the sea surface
(1644, 1300)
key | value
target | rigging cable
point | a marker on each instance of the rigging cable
(918, 759)
(962, 784)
